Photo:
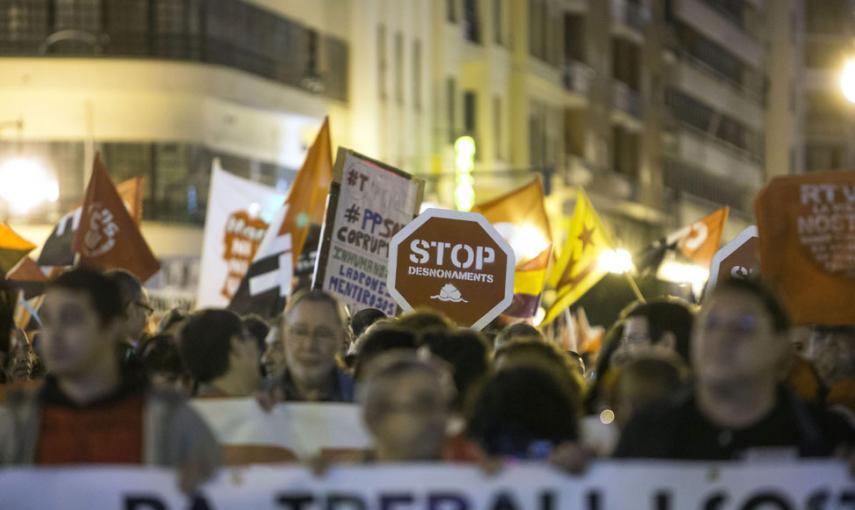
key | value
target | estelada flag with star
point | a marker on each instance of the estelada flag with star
(108, 237)
(578, 268)
(520, 217)
(268, 280)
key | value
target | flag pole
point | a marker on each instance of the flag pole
(635, 289)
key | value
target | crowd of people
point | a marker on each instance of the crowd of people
(729, 380)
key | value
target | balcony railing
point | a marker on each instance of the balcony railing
(753, 93)
(576, 77)
(634, 15)
(626, 99)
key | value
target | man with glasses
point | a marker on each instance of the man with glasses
(737, 408)
(313, 333)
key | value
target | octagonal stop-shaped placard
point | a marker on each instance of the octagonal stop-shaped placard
(454, 262)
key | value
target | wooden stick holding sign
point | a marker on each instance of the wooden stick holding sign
(369, 202)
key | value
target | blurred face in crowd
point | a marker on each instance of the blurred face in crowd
(312, 335)
(74, 339)
(137, 314)
(734, 341)
(273, 358)
(22, 359)
(832, 351)
(408, 417)
(636, 339)
(243, 361)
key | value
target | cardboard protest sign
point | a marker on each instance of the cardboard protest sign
(369, 203)
(740, 258)
(454, 262)
(655, 486)
(289, 432)
(235, 224)
(806, 225)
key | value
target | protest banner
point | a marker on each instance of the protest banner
(806, 226)
(286, 433)
(740, 258)
(605, 486)
(235, 223)
(369, 203)
(454, 262)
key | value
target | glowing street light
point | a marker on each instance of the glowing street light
(681, 272)
(464, 163)
(617, 261)
(26, 184)
(847, 80)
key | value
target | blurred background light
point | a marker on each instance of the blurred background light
(617, 261)
(25, 184)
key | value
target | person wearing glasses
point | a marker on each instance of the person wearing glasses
(313, 332)
(737, 407)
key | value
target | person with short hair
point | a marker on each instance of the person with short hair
(518, 331)
(136, 308)
(163, 365)
(88, 410)
(220, 354)
(406, 402)
(664, 323)
(424, 319)
(644, 380)
(379, 340)
(313, 333)
(737, 406)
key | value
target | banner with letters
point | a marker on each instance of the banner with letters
(369, 203)
(287, 433)
(606, 486)
(237, 217)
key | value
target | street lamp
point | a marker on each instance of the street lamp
(847, 80)
(25, 184)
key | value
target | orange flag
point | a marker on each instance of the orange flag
(131, 192)
(308, 195)
(108, 236)
(12, 248)
(701, 240)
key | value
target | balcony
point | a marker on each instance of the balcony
(698, 79)
(576, 77)
(684, 177)
(713, 25)
(714, 157)
(626, 100)
(826, 126)
(633, 16)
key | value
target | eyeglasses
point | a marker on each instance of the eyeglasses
(145, 306)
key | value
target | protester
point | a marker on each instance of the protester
(136, 308)
(664, 323)
(406, 401)
(22, 364)
(544, 356)
(644, 380)
(363, 319)
(171, 323)
(161, 359)
(467, 352)
(737, 407)
(424, 319)
(523, 413)
(88, 411)
(258, 329)
(832, 351)
(313, 331)
(519, 330)
(273, 358)
(379, 340)
(220, 354)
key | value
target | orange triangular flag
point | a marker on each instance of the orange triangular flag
(12, 248)
(701, 240)
(131, 192)
(308, 195)
(27, 271)
(108, 237)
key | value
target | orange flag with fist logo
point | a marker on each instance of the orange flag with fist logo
(108, 237)
(700, 240)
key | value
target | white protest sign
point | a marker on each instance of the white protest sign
(369, 203)
(235, 222)
(287, 432)
(605, 486)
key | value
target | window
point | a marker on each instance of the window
(498, 117)
(471, 21)
(470, 112)
(381, 61)
(498, 21)
(451, 11)
(450, 95)
(536, 29)
(417, 75)
(399, 67)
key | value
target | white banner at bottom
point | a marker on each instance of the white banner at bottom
(607, 485)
